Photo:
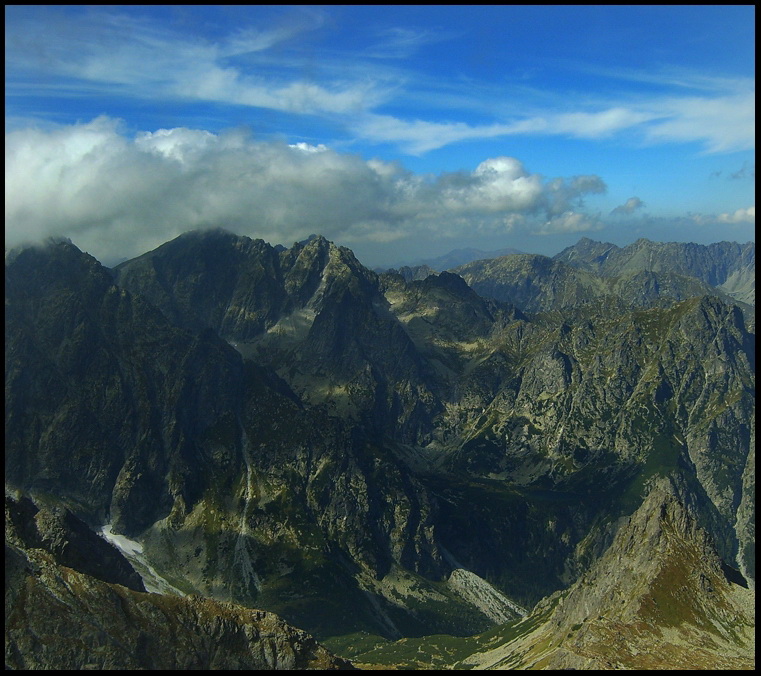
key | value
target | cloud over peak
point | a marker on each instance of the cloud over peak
(118, 196)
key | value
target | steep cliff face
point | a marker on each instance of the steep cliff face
(210, 279)
(235, 487)
(587, 403)
(659, 597)
(533, 283)
(68, 541)
(312, 312)
(285, 429)
(113, 398)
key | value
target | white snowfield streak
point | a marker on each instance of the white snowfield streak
(133, 552)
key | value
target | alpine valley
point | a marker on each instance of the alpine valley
(225, 455)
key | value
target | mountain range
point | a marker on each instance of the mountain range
(380, 459)
(457, 257)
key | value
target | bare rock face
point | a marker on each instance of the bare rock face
(658, 598)
(59, 618)
(728, 266)
(312, 312)
(285, 429)
(68, 540)
(539, 284)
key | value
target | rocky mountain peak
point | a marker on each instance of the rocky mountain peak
(56, 264)
(657, 588)
(284, 429)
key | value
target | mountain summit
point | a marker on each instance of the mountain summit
(286, 431)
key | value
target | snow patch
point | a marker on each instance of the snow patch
(133, 552)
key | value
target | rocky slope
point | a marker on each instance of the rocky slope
(457, 257)
(312, 312)
(57, 617)
(67, 540)
(113, 398)
(658, 595)
(538, 284)
(236, 489)
(284, 429)
(558, 401)
(729, 266)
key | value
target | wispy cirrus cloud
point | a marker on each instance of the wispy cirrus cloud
(419, 136)
(401, 42)
(129, 55)
(722, 123)
(115, 53)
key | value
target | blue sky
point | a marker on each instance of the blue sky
(401, 132)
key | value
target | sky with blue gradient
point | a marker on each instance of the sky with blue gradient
(400, 131)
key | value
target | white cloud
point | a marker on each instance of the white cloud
(400, 43)
(119, 197)
(723, 123)
(628, 207)
(596, 125)
(740, 216)
(113, 52)
(564, 194)
(418, 136)
(178, 144)
(307, 148)
(570, 222)
(109, 52)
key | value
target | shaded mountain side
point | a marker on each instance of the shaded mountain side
(113, 399)
(368, 437)
(68, 540)
(536, 283)
(556, 401)
(235, 487)
(59, 618)
(446, 321)
(241, 287)
(410, 273)
(598, 408)
(728, 266)
(659, 597)
(311, 312)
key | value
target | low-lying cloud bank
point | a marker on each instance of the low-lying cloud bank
(119, 196)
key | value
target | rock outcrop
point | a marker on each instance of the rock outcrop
(284, 429)
(659, 597)
(68, 540)
(539, 284)
(59, 618)
(729, 266)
